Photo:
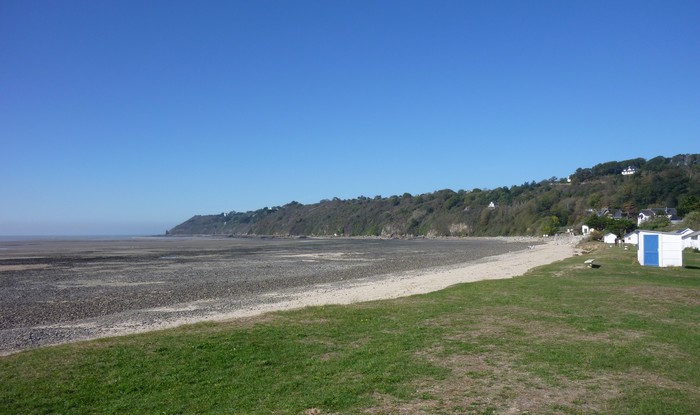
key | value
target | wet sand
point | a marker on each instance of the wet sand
(55, 292)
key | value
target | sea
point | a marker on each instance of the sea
(25, 238)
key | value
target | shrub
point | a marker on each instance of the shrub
(596, 236)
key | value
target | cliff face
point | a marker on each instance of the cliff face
(527, 209)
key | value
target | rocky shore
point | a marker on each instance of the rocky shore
(55, 292)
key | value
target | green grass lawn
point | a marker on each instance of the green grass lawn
(562, 339)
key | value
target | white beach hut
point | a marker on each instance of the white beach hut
(609, 238)
(691, 240)
(684, 232)
(632, 238)
(660, 249)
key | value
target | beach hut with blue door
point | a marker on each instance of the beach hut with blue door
(660, 249)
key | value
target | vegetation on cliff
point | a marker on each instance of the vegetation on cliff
(527, 209)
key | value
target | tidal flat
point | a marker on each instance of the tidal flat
(56, 291)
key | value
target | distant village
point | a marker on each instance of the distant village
(654, 248)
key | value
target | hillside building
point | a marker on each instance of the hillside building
(648, 214)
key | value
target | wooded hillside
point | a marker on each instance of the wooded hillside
(531, 208)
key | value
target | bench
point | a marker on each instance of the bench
(590, 264)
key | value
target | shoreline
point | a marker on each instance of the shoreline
(341, 292)
(408, 283)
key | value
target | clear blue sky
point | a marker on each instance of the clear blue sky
(129, 117)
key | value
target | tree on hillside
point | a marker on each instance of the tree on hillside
(527, 209)
(658, 223)
(620, 227)
(687, 204)
(692, 221)
(596, 222)
(630, 208)
(656, 164)
(550, 225)
(594, 200)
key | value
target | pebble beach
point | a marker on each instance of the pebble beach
(55, 291)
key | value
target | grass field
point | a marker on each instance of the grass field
(563, 339)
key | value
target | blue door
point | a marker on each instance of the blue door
(651, 250)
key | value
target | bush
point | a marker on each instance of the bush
(692, 220)
(658, 223)
(595, 236)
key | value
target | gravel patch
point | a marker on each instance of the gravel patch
(55, 292)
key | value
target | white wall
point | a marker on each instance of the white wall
(691, 243)
(671, 254)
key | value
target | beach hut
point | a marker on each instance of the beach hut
(609, 238)
(660, 249)
(684, 232)
(631, 238)
(691, 240)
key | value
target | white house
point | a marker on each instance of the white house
(631, 238)
(585, 230)
(660, 249)
(629, 171)
(645, 215)
(691, 240)
(609, 238)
